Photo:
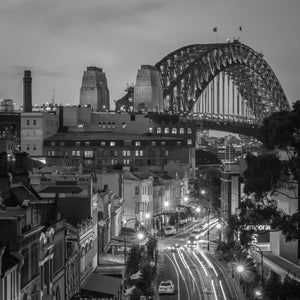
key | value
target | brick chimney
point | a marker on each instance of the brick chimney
(27, 95)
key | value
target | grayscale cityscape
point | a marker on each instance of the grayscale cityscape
(149, 150)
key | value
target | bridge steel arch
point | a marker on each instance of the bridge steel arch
(187, 73)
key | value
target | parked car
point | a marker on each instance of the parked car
(166, 287)
(170, 230)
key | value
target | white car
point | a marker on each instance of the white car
(170, 230)
(166, 287)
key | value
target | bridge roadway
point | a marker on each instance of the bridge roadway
(196, 273)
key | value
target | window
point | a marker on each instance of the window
(77, 144)
(174, 130)
(178, 143)
(158, 130)
(163, 143)
(102, 143)
(153, 143)
(150, 130)
(167, 130)
(34, 147)
(181, 130)
(139, 153)
(87, 143)
(137, 190)
(113, 125)
(108, 125)
(103, 125)
(126, 162)
(138, 143)
(166, 153)
(126, 152)
(112, 143)
(28, 147)
(80, 125)
(99, 124)
(52, 144)
(189, 131)
(28, 122)
(189, 142)
(123, 125)
(75, 152)
(116, 153)
(34, 122)
(62, 143)
(88, 153)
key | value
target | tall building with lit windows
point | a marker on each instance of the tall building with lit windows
(94, 90)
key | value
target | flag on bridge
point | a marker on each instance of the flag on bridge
(215, 29)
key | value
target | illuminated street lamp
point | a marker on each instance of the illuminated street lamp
(166, 204)
(185, 199)
(240, 268)
(198, 209)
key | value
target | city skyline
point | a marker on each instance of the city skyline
(58, 40)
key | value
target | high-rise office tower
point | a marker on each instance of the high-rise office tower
(94, 90)
(27, 97)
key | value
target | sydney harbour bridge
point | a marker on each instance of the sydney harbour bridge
(227, 86)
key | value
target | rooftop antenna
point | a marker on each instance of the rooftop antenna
(53, 97)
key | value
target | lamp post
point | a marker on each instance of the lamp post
(261, 261)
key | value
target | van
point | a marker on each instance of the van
(170, 230)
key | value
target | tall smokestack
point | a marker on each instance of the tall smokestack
(27, 97)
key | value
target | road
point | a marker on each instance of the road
(196, 272)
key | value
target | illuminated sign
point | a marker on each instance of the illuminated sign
(258, 227)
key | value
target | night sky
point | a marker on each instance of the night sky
(58, 39)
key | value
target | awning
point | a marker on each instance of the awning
(102, 284)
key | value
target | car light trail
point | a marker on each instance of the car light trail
(200, 262)
(209, 263)
(214, 289)
(222, 290)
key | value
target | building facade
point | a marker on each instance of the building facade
(94, 91)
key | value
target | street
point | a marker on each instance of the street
(195, 272)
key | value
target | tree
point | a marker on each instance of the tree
(134, 259)
(151, 246)
(136, 294)
(147, 276)
(268, 175)
(206, 158)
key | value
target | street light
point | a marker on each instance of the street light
(261, 261)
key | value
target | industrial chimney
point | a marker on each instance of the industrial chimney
(27, 97)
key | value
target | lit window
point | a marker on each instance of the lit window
(113, 125)
(99, 124)
(88, 153)
(178, 143)
(80, 125)
(189, 142)
(77, 143)
(87, 143)
(150, 130)
(158, 130)
(189, 131)
(115, 153)
(126, 162)
(138, 143)
(112, 143)
(163, 143)
(181, 130)
(62, 143)
(123, 125)
(167, 130)
(153, 143)
(108, 125)
(174, 130)
(102, 143)
(166, 153)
